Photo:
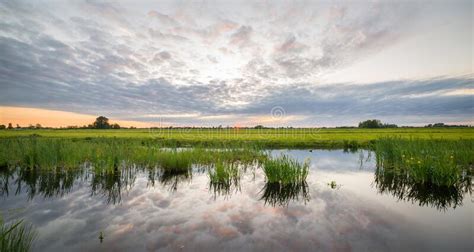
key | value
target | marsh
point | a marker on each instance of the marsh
(144, 209)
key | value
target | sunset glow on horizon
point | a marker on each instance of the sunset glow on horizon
(54, 118)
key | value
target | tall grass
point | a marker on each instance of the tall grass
(16, 237)
(285, 170)
(223, 176)
(439, 162)
(49, 166)
(109, 153)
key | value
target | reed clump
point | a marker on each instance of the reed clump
(17, 236)
(223, 176)
(285, 170)
(439, 162)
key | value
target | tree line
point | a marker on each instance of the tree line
(100, 122)
(374, 123)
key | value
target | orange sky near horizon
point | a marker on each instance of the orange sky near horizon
(54, 118)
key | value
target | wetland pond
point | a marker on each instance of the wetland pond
(345, 204)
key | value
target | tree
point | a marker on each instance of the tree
(101, 122)
(38, 126)
(10, 126)
(371, 124)
(376, 124)
(115, 126)
(18, 126)
(3, 126)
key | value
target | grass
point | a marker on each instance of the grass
(109, 153)
(424, 162)
(49, 166)
(223, 176)
(285, 170)
(439, 162)
(285, 180)
(436, 172)
(16, 237)
(271, 138)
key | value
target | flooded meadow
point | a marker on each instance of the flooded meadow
(328, 200)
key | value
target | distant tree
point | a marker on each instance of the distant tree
(387, 125)
(376, 124)
(18, 126)
(3, 126)
(371, 124)
(38, 126)
(259, 127)
(439, 125)
(10, 126)
(115, 126)
(101, 122)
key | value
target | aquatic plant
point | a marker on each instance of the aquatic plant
(285, 170)
(223, 176)
(101, 237)
(109, 153)
(439, 162)
(333, 185)
(17, 236)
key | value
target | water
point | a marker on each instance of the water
(143, 211)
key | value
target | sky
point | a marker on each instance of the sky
(236, 63)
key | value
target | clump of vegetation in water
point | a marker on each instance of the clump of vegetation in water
(285, 170)
(439, 162)
(16, 237)
(333, 185)
(223, 176)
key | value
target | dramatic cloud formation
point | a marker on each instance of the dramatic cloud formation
(232, 62)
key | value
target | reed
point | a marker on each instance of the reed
(223, 176)
(16, 237)
(439, 162)
(109, 153)
(285, 170)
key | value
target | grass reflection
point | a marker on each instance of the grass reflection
(404, 187)
(280, 194)
(224, 176)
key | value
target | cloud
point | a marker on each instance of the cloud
(125, 61)
(242, 37)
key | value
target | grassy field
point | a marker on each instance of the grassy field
(307, 138)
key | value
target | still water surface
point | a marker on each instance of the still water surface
(137, 212)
